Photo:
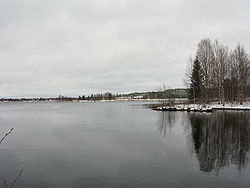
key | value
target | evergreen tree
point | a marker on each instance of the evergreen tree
(196, 82)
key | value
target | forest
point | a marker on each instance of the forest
(218, 74)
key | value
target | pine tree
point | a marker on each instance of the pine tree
(196, 82)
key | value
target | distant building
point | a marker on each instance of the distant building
(138, 97)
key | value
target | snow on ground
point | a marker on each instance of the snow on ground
(244, 106)
(232, 106)
(205, 107)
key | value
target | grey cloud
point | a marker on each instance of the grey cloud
(77, 47)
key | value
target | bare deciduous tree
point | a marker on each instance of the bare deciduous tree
(6, 135)
(226, 75)
(20, 172)
(166, 95)
(241, 62)
(205, 55)
(220, 68)
(188, 72)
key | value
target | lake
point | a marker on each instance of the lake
(122, 145)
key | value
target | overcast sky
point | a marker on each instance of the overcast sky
(74, 47)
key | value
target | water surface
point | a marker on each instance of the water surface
(125, 144)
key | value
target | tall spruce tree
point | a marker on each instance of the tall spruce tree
(196, 82)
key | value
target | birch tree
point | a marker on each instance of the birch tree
(222, 74)
(241, 62)
(205, 55)
(220, 68)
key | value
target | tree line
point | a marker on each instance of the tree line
(218, 73)
(98, 96)
(162, 94)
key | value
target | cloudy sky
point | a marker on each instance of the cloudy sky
(73, 47)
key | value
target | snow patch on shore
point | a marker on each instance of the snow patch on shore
(204, 107)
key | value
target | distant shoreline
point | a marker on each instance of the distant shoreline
(72, 99)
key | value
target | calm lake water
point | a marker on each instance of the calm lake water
(122, 145)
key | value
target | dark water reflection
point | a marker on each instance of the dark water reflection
(124, 145)
(220, 139)
(166, 121)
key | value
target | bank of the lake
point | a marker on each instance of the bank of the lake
(203, 107)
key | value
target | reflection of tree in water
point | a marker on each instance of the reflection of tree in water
(220, 139)
(166, 120)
